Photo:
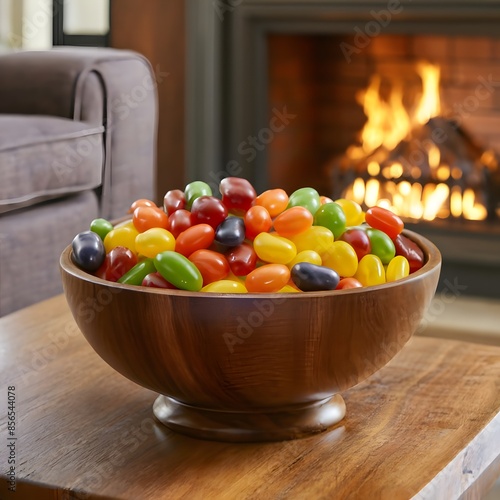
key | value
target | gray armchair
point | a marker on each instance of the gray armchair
(77, 141)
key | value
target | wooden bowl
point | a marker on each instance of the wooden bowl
(249, 367)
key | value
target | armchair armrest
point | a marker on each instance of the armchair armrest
(110, 87)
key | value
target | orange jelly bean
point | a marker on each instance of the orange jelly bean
(273, 200)
(194, 238)
(292, 221)
(268, 278)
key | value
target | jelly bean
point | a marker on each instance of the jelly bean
(156, 280)
(289, 289)
(370, 271)
(384, 220)
(153, 241)
(238, 194)
(230, 232)
(312, 278)
(242, 259)
(225, 286)
(409, 249)
(208, 210)
(292, 221)
(274, 201)
(213, 266)
(179, 221)
(398, 268)
(257, 220)
(306, 256)
(347, 283)
(268, 278)
(331, 216)
(136, 275)
(325, 199)
(194, 238)
(194, 190)
(101, 227)
(143, 202)
(305, 197)
(342, 258)
(174, 200)
(381, 244)
(145, 218)
(317, 238)
(179, 271)
(353, 212)
(359, 240)
(88, 251)
(274, 249)
(123, 236)
(118, 262)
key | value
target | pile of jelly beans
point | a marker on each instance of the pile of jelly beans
(243, 242)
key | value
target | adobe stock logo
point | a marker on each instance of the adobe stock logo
(371, 29)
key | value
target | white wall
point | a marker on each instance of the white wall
(86, 17)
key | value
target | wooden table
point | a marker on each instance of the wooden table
(425, 426)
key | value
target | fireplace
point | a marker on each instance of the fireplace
(307, 64)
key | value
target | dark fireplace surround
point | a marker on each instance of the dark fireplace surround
(228, 96)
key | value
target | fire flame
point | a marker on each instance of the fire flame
(388, 123)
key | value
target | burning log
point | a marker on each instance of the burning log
(436, 169)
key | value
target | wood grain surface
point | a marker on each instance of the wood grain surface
(427, 425)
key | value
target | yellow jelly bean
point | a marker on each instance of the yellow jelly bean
(353, 212)
(317, 238)
(306, 256)
(342, 258)
(275, 249)
(123, 236)
(225, 286)
(289, 289)
(398, 268)
(153, 241)
(370, 271)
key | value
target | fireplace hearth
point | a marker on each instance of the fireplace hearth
(312, 60)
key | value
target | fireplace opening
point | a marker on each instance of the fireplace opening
(408, 122)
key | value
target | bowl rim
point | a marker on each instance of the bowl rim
(431, 252)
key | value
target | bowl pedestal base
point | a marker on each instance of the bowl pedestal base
(291, 423)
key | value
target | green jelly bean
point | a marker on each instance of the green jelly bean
(331, 216)
(135, 275)
(194, 190)
(101, 227)
(179, 271)
(305, 197)
(382, 245)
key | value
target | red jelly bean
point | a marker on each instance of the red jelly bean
(238, 195)
(208, 210)
(156, 280)
(179, 221)
(213, 266)
(119, 261)
(384, 220)
(194, 238)
(409, 249)
(174, 200)
(242, 259)
(359, 240)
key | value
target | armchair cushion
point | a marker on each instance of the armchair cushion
(43, 157)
